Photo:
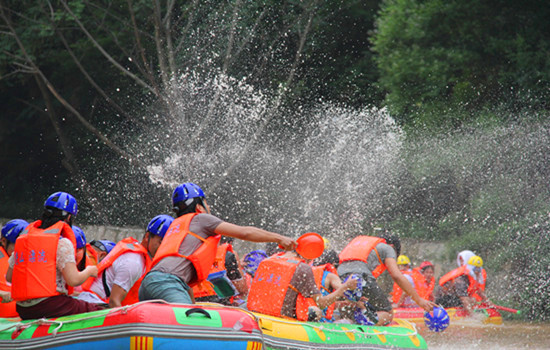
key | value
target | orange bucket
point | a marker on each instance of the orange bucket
(310, 245)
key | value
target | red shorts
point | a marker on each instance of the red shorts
(56, 306)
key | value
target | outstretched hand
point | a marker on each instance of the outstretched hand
(427, 305)
(287, 243)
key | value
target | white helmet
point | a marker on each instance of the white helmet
(463, 257)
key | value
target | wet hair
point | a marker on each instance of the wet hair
(392, 239)
(181, 208)
(328, 257)
(51, 216)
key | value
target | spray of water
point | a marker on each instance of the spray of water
(321, 168)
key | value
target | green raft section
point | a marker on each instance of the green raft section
(289, 334)
(153, 325)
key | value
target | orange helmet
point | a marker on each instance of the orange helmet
(310, 245)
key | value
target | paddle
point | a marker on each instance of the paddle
(504, 308)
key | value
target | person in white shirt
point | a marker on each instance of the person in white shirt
(125, 265)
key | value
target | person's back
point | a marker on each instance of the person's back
(277, 283)
(368, 257)
(188, 250)
(43, 267)
(284, 279)
(10, 232)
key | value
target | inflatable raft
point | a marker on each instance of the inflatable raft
(152, 325)
(483, 313)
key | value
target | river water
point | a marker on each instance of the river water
(510, 335)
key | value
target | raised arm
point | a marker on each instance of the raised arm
(254, 234)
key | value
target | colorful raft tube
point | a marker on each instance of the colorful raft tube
(158, 325)
(490, 315)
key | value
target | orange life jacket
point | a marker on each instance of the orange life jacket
(34, 272)
(91, 255)
(473, 286)
(423, 287)
(397, 292)
(127, 245)
(359, 249)
(270, 284)
(202, 258)
(476, 287)
(6, 309)
(303, 303)
(205, 288)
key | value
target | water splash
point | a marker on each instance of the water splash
(320, 168)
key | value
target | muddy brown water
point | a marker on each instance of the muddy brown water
(473, 335)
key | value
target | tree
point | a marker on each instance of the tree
(437, 55)
(93, 67)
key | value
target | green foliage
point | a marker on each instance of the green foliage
(524, 247)
(439, 55)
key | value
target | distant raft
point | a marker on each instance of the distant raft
(157, 325)
(484, 313)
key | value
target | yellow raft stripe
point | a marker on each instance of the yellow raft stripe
(283, 328)
(141, 343)
(254, 345)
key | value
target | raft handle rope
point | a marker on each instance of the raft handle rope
(124, 310)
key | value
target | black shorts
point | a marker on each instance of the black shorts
(378, 299)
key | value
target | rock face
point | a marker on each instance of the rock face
(113, 233)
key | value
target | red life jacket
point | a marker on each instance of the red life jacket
(205, 288)
(303, 303)
(397, 292)
(270, 284)
(359, 249)
(202, 258)
(6, 309)
(34, 272)
(127, 245)
(423, 287)
(473, 286)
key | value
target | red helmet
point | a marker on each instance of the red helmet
(310, 245)
(426, 264)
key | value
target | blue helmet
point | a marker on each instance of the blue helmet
(13, 228)
(252, 260)
(437, 320)
(159, 225)
(62, 201)
(357, 293)
(185, 192)
(109, 245)
(80, 237)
